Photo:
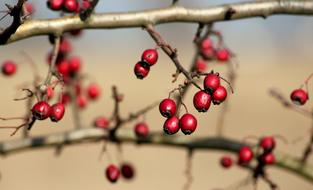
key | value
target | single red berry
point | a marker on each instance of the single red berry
(65, 98)
(226, 161)
(55, 4)
(267, 158)
(202, 101)
(93, 91)
(211, 82)
(57, 112)
(112, 173)
(188, 123)
(267, 143)
(101, 122)
(9, 68)
(74, 64)
(71, 5)
(245, 155)
(140, 70)
(206, 43)
(150, 56)
(299, 96)
(65, 46)
(219, 95)
(81, 101)
(85, 5)
(41, 110)
(128, 171)
(141, 130)
(171, 125)
(222, 54)
(49, 92)
(29, 8)
(208, 53)
(63, 68)
(167, 107)
(201, 65)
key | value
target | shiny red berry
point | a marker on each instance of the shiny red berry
(141, 130)
(57, 112)
(93, 91)
(167, 107)
(74, 64)
(226, 161)
(140, 70)
(211, 82)
(128, 171)
(71, 5)
(41, 110)
(101, 122)
(267, 143)
(112, 173)
(9, 68)
(206, 43)
(222, 54)
(188, 123)
(268, 158)
(150, 56)
(55, 4)
(299, 96)
(219, 95)
(81, 101)
(202, 101)
(63, 68)
(171, 125)
(245, 155)
(200, 66)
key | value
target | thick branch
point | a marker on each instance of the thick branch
(284, 161)
(165, 15)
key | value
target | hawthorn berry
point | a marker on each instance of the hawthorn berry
(141, 130)
(74, 64)
(65, 45)
(219, 95)
(299, 96)
(140, 70)
(41, 110)
(81, 101)
(188, 123)
(65, 98)
(9, 68)
(55, 4)
(101, 122)
(206, 43)
(29, 7)
(211, 82)
(85, 5)
(245, 155)
(226, 161)
(93, 91)
(267, 143)
(167, 107)
(49, 92)
(57, 112)
(71, 5)
(267, 158)
(171, 125)
(112, 173)
(63, 68)
(128, 171)
(222, 54)
(202, 101)
(150, 56)
(200, 66)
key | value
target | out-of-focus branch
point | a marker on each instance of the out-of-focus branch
(165, 15)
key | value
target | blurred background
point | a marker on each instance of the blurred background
(276, 52)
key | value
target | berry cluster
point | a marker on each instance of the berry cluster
(70, 6)
(42, 110)
(148, 58)
(209, 52)
(113, 173)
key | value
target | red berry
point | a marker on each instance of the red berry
(140, 70)
(71, 5)
(74, 64)
(150, 56)
(167, 107)
(65, 46)
(188, 124)
(201, 65)
(55, 4)
(299, 96)
(226, 161)
(29, 8)
(268, 158)
(222, 54)
(9, 68)
(112, 173)
(208, 53)
(211, 82)
(219, 95)
(93, 91)
(202, 101)
(65, 98)
(206, 43)
(57, 112)
(245, 155)
(81, 101)
(141, 130)
(127, 171)
(171, 125)
(86, 5)
(63, 68)
(41, 110)
(49, 92)
(267, 143)
(101, 122)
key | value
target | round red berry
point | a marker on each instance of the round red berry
(63, 68)
(9, 68)
(65, 47)
(112, 173)
(226, 161)
(267, 143)
(245, 155)
(299, 96)
(202, 101)
(57, 112)
(150, 56)
(201, 65)
(171, 125)
(267, 158)
(41, 110)
(71, 5)
(141, 130)
(206, 43)
(93, 91)
(219, 95)
(65, 98)
(74, 64)
(211, 82)
(101, 122)
(188, 123)
(222, 54)
(140, 70)
(55, 4)
(29, 8)
(81, 101)
(128, 171)
(167, 107)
